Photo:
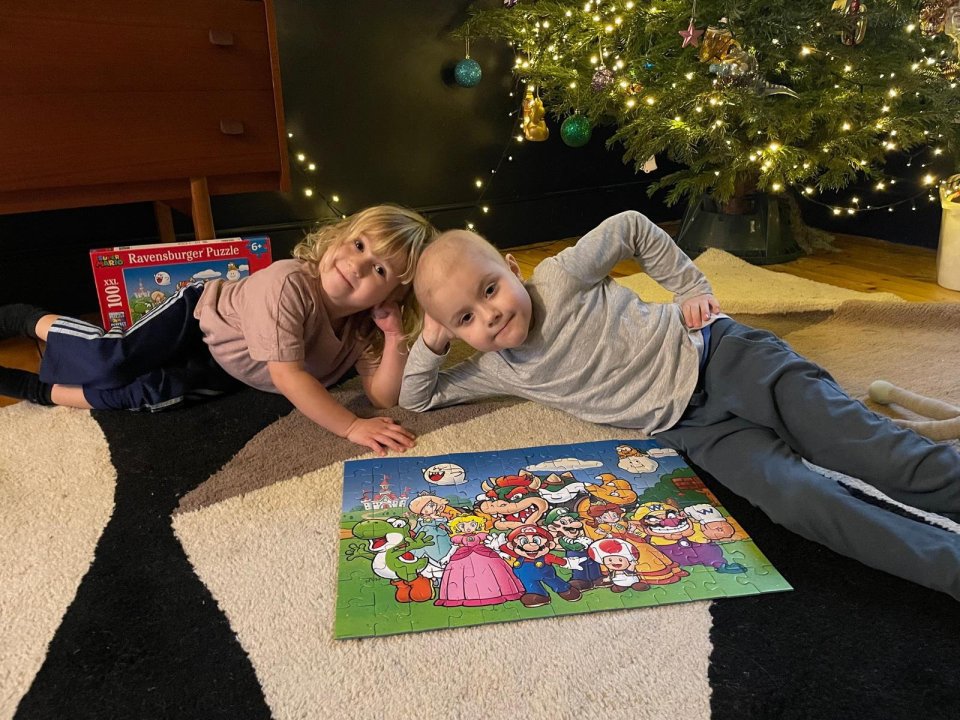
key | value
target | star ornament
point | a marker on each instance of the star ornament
(691, 36)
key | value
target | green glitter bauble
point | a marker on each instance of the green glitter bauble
(467, 72)
(576, 131)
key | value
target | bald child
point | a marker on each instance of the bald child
(736, 401)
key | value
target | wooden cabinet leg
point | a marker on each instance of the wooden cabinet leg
(202, 214)
(162, 212)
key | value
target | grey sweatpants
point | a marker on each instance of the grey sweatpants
(760, 408)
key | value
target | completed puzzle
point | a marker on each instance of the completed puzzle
(472, 538)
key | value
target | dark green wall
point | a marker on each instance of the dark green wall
(370, 99)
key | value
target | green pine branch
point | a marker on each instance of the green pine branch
(854, 104)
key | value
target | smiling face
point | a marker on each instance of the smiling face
(354, 277)
(532, 547)
(568, 526)
(464, 284)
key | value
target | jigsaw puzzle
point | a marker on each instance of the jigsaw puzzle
(471, 538)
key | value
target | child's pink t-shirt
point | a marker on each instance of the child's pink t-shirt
(276, 314)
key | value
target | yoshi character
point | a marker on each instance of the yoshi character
(391, 543)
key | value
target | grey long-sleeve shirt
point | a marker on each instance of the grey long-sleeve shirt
(595, 349)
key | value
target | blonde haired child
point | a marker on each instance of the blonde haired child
(296, 327)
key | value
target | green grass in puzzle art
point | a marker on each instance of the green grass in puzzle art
(366, 604)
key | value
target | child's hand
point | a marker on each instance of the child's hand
(435, 335)
(388, 318)
(698, 310)
(380, 434)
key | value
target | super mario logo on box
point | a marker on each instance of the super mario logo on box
(528, 532)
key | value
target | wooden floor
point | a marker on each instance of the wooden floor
(859, 264)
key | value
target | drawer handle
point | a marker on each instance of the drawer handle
(221, 37)
(231, 127)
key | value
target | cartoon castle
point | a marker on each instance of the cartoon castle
(385, 498)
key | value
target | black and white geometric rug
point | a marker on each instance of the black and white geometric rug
(183, 565)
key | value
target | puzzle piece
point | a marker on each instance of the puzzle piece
(504, 612)
(367, 604)
(702, 586)
(355, 593)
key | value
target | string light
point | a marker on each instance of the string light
(609, 19)
(307, 168)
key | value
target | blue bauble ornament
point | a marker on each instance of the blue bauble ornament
(467, 73)
(576, 131)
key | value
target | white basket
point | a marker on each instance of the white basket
(948, 251)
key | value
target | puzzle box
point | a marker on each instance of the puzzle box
(131, 280)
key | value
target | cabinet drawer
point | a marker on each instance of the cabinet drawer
(131, 137)
(49, 46)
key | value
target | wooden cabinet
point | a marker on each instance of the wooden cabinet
(113, 101)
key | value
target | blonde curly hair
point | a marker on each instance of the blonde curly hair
(396, 233)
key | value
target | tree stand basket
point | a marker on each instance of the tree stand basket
(761, 235)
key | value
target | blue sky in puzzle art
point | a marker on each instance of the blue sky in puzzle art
(146, 277)
(641, 462)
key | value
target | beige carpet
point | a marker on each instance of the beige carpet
(269, 557)
(745, 288)
(56, 496)
(261, 532)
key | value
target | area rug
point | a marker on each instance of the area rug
(745, 288)
(183, 565)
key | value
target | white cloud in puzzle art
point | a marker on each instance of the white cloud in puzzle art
(207, 274)
(564, 464)
(56, 496)
(269, 558)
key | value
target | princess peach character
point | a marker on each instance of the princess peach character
(475, 574)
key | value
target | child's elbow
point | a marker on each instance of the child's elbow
(382, 398)
(382, 403)
(412, 403)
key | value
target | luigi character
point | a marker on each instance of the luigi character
(567, 529)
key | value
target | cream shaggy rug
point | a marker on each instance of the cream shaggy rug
(183, 565)
(745, 288)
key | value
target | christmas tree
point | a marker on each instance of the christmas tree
(776, 96)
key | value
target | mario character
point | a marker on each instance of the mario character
(567, 529)
(512, 501)
(528, 549)
(390, 549)
(233, 271)
(619, 559)
(670, 530)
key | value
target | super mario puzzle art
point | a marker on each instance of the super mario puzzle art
(472, 538)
